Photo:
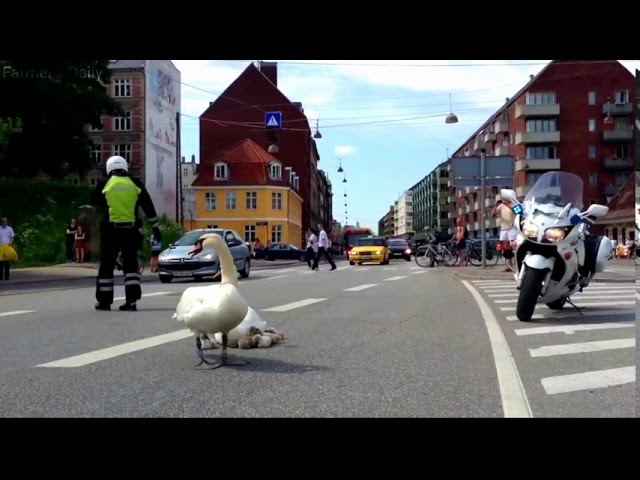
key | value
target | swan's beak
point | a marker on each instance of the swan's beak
(197, 249)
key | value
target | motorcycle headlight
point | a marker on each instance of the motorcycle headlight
(555, 234)
(529, 229)
(208, 257)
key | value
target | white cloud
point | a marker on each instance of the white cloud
(344, 149)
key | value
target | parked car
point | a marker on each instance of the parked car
(399, 248)
(281, 251)
(175, 261)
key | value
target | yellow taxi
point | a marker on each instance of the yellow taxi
(369, 249)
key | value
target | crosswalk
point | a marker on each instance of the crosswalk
(606, 330)
(342, 268)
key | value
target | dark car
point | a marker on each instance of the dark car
(399, 248)
(175, 261)
(281, 251)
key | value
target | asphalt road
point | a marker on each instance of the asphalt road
(572, 365)
(377, 341)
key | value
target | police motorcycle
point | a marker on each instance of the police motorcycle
(556, 256)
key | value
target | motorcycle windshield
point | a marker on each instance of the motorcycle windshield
(558, 189)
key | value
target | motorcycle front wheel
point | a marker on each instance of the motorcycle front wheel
(529, 293)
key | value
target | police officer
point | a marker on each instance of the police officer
(119, 198)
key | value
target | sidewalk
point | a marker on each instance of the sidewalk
(75, 271)
(498, 273)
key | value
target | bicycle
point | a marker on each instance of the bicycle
(435, 253)
(474, 255)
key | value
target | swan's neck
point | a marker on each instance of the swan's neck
(228, 272)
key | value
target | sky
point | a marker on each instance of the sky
(382, 120)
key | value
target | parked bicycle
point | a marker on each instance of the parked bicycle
(474, 254)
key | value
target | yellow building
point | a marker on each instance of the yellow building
(248, 190)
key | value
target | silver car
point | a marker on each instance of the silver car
(175, 261)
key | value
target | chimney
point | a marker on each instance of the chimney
(506, 100)
(270, 70)
(530, 77)
(211, 103)
(193, 158)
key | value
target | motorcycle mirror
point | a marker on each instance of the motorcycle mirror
(509, 194)
(596, 211)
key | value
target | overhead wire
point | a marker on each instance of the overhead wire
(430, 65)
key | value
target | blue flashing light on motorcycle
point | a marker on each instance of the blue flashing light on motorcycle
(576, 219)
(517, 209)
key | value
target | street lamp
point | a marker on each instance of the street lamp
(340, 169)
(317, 135)
(451, 118)
(344, 180)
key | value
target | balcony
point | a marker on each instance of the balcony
(489, 202)
(442, 201)
(622, 135)
(476, 206)
(615, 163)
(501, 151)
(616, 109)
(522, 190)
(538, 164)
(478, 144)
(501, 126)
(610, 190)
(489, 137)
(531, 111)
(527, 138)
(476, 226)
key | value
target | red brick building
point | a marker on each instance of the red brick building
(575, 116)
(239, 113)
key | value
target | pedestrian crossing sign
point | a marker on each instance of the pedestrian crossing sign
(273, 119)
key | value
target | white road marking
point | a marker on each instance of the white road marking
(362, 269)
(15, 312)
(415, 268)
(144, 295)
(118, 350)
(360, 287)
(419, 273)
(570, 313)
(292, 306)
(305, 272)
(589, 380)
(569, 329)
(514, 398)
(577, 298)
(590, 288)
(581, 304)
(389, 268)
(585, 347)
(577, 295)
(638, 295)
(482, 283)
(393, 279)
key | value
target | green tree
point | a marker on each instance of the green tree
(8, 127)
(55, 100)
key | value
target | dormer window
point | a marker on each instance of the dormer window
(275, 171)
(221, 171)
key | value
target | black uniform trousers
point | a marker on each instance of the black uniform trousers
(323, 251)
(115, 240)
(4, 270)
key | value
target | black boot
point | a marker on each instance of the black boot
(103, 306)
(131, 307)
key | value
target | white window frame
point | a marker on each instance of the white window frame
(542, 125)
(249, 233)
(99, 129)
(622, 124)
(593, 152)
(621, 97)
(541, 98)
(276, 234)
(276, 200)
(96, 153)
(230, 201)
(532, 152)
(123, 123)
(122, 87)
(251, 200)
(623, 147)
(275, 171)
(93, 181)
(124, 150)
(592, 98)
(592, 127)
(220, 171)
(210, 201)
(621, 178)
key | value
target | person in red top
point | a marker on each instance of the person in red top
(80, 244)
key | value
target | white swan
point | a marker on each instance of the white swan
(216, 308)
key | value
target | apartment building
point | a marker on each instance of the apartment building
(403, 215)
(575, 116)
(434, 201)
(386, 224)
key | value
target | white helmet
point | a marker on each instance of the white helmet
(117, 163)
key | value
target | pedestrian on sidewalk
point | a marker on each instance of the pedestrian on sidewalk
(312, 246)
(460, 239)
(71, 240)
(323, 245)
(156, 248)
(508, 230)
(7, 252)
(81, 244)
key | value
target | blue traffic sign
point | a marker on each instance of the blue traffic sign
(273, 119)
